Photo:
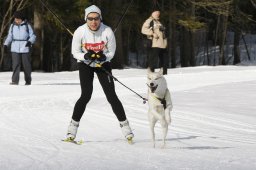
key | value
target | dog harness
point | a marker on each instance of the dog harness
(163, 101)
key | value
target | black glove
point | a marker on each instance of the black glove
(5, 48)
(100, 56)
(90, 55)
(28, 44)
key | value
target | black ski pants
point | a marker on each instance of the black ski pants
(86, 75)
(158, 55)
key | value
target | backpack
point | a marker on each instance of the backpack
(147, 40)
(27, 29)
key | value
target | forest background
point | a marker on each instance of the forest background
(200, 32)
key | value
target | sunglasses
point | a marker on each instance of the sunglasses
(95, 19)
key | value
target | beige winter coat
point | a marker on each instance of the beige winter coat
(157, 36)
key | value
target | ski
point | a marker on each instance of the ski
(70, 140)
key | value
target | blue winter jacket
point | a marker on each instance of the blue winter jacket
(18, 36)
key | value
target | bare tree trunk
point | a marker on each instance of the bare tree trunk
(172, 31)
(11, 7)
(188, 42)
(222, 38)
(60, 63)
(216, 40)
(246, 47)
(236, 47)
(223, 34)
(5, 24)
(128, 47)
(253, 3)
(119, 58)
(184, 48)
(37, 62)
(118, 61)
(192, 59)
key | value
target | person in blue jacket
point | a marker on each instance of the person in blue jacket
(21, 37)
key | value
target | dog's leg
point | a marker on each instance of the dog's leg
(152, 126)
(164, 125)
(167, 115)
(169, 107)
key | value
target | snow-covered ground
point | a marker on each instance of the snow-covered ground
(213, 122)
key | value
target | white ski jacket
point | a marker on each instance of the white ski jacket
(101, 40)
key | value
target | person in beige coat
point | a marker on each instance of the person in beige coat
(155, 31)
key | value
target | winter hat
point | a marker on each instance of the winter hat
(19, 15)
(156, 8)
(90, 9)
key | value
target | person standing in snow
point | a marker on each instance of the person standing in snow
(21, 37)
(94, 46)
(155, 31)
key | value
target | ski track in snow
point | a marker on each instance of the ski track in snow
(201, 136)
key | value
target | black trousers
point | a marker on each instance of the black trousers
(86, 75)
(157, 56)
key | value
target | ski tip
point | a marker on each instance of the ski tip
(79, 142)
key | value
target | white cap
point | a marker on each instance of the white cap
(90, 9)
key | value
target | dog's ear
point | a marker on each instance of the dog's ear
(149, 70)
(161, 71)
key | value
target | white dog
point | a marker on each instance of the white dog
(159, 101)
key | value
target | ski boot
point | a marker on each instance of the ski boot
(72, 130)
(126, 130)
(71, 134)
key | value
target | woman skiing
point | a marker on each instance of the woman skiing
(94, 46)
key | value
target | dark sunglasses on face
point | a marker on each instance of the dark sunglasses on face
(95, 19)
